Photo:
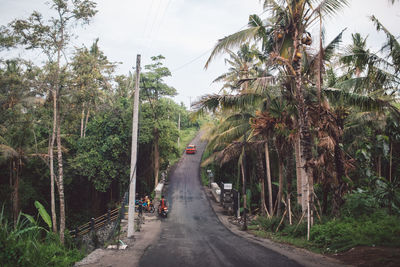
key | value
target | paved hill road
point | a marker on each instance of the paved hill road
(193, 236)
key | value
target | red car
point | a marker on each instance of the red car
(191, 149)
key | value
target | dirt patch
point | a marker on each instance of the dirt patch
(370, 256)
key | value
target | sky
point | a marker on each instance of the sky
(185, 31)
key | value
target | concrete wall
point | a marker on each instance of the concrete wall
(216, 191)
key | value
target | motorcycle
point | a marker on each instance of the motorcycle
(163, 212)
(150, 209)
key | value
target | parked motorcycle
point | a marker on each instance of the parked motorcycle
(151, 209)
(144, 206)
(163, 212)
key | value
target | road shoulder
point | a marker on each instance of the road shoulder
(148, 235)
(302, 256)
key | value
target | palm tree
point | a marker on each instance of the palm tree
(243, 65)
(282, 39)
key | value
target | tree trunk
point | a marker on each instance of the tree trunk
(289, 179)
(51, 159)
(82, 118)
(156, 156)
(86, 122)
(15, 194)
(271, 212)
(300, 174)
(305, 135)
(379, 166)
(261, 178)
(244, 191)
(340, 187)
(390, 161)
(325, 192)
(60, 177)
(280, 191)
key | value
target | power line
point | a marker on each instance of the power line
(155, 19)
(209, 50)
(147, 18)
(161, 23)
(193, 60)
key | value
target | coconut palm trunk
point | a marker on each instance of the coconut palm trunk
(243, 168)
(280, 191)
(305, 135)
(261, 178)
(269, 183)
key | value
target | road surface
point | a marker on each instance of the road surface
(192, 235)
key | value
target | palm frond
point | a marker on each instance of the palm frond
(233, 41)
(392, 46)
(329, 7)
(8, 152)
(361, 102)
(333, 45)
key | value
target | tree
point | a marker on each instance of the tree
(16, 122)
(284, 39)
(52, 38)
(92, 72)
(153, 88)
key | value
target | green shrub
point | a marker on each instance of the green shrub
(296, 231)
(27, 244)
(269, 224)
(359, 203)
(377, 229)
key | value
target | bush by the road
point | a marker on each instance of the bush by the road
(335, 235)
(369, 230)
(27, 244)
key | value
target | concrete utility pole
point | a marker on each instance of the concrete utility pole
(132, 185)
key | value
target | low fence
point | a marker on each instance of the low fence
(97, 223)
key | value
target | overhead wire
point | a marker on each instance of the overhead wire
(147, 18)
(161, 22)
(209, 50)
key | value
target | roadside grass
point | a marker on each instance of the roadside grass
(204, 177)
(335, 235)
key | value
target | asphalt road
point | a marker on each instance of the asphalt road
(192, 235)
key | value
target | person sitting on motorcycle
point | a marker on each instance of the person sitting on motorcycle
(148, 203)
(163, 204)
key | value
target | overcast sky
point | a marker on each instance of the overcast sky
(184, 31)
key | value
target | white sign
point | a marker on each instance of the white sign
(228, 186)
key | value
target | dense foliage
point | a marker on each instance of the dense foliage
(307, 130)
(65, 132)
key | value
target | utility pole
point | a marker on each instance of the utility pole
(179, 128)
(132, 184)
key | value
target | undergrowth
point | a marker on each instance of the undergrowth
(28, 244)
(336, 235)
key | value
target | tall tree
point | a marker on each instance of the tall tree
(52, 38)
(92, 75)
(153, 89)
